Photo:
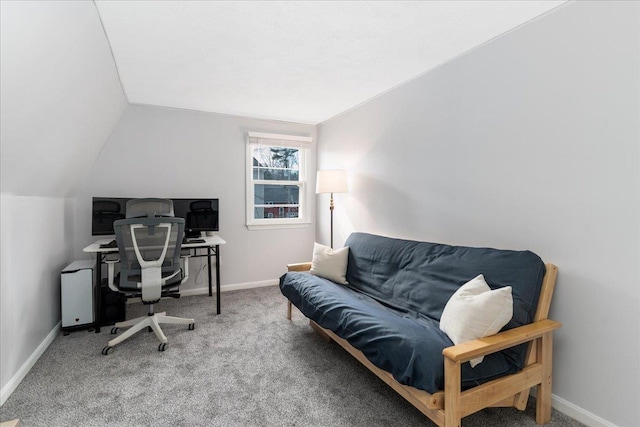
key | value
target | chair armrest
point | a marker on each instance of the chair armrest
(487, 345)
(111, 273)
(302, 266)
(184, 264)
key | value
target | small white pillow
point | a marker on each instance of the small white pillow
(475, 311)
(330, 264)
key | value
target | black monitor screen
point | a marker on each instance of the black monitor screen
(199, 214)
(105, 210)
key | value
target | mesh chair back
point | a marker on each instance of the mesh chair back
(150, 207)
(149, 245)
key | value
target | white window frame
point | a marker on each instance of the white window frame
(303, 144)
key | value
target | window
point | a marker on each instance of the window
(276, 180)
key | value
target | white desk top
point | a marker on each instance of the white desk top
(209, 241)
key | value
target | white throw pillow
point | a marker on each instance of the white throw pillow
(330, 264)
(475, 311)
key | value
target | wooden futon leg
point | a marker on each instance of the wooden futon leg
(543, 398)
(452, 416)
(320, 331)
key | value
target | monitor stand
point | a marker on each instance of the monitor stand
(189, 234)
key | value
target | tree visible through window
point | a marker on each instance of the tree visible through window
(276, 200)
(276, 194)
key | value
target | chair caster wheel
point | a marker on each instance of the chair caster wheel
(106, 350)
(162, 346)
(192, 326)
(114, 331)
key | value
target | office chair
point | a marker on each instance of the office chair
(150, 266)
(149, 207)
(201, 215)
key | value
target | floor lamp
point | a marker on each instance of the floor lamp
(331, 181)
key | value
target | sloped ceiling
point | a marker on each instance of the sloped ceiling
(62, 92)
(299, 61)
(60, 95)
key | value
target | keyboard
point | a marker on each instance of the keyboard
(111, 244)
(194, 241)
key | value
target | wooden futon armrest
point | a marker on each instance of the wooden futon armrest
(487, 345)
(302, 266)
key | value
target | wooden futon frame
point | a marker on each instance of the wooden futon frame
(447, 407)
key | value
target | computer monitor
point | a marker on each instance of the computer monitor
(200, 215)
(104, 211)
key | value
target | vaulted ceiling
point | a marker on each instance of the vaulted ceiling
(68, 69)
(300, 61)
(60, 95)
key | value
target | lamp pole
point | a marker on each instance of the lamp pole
(331, 181)
(331, 209)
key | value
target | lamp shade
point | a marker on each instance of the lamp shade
(331, 181)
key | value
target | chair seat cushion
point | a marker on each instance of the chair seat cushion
(131, 284)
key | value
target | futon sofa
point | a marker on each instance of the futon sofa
(387, 315)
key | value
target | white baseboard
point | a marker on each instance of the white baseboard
(223, 288)
(574, 411)
(26, 366)
(579, 414)
(232, 287)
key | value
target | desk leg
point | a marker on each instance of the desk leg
(97, 297)
(209, 270)
(217, 278)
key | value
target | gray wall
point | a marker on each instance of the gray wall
(160, 152)
(60, 98)
(61, 95)
(529, 141)
(35, 248)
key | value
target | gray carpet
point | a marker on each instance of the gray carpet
(248, 366)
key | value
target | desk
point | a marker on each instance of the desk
(211, 244)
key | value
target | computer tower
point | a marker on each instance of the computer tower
(112, 305)
(76, 295)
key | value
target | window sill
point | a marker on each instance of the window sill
(254, 227)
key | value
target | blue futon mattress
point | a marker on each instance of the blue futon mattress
(396, 294)
(408, 345)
